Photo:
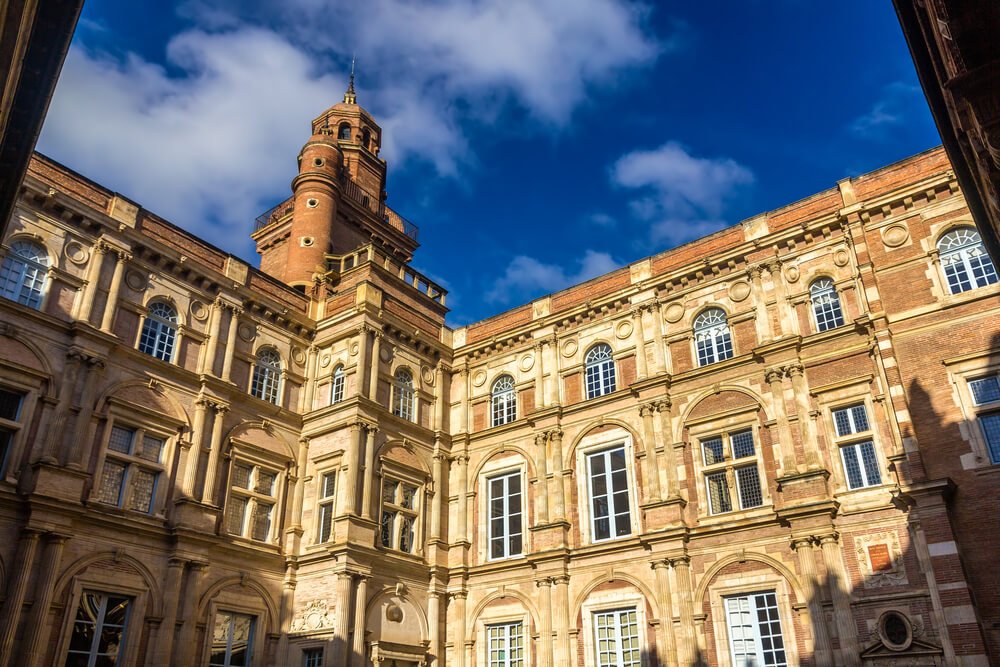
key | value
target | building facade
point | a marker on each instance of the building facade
(776, 445)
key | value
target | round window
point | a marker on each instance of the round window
(307, 241)
(312, 203)
(895, 631)
(319, 162)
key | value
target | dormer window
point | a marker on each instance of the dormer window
(344, 132)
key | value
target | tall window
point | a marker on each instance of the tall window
(857, 450)
(312, 657)
(10, 415)
(964, 260)
(402, 394)
(505, 508)
(344, 132)
(506, 644)
(826, 305)
(607, 476)
(266, 381)
(503, 401)
(617, 638)
(600, 370)
(986, 392)
(730, 460)
(399, 515)
(159, 331)
(711, 336)
(252, 498)
(131, 469)
(337, 385)
(99, 630)
(755, 638)
(22, 274)
(232, 640)
(327, 487)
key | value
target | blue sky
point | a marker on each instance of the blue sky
(536, 143)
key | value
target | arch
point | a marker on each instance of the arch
(26, 266)
(489, 598)
(51, 258)
(366, 138)
(600, 374)
(161, 297)
(142, 389)
(825, 304)
(65, 580)
(569, 453)
(34, 350)
(389, 593)
(498, 451)
(344, 131)
(698, 398)
(160, 325)
(243, 582)
(265, 381)
(615, 575)
(503, 400)
(706, 579)
(246, 428)
(963, 258)
(388, 445)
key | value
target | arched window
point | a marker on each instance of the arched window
(366, 138)
(22, 275)
(266, 381)
(159, 331)
(402, 394)
(964, 259)
(503, 401)
(344, 131)
(826, 305)
(711, 336)
(600, 370)
(337, 385)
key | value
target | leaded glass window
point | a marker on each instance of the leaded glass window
(826, 305)
(23, 273)
(131, 470)
(503, 401)
(266, 381)
(712, 338)
(965, 261)
(398, 525)
(252, 499)
(599, 368)
(159, 331)
(732, 476)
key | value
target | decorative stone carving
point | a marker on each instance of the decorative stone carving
(136, 281)
(394, 613)
(298, 355)
(792, 273)
(880, 559)
(739, 290)
(570, 347)
(895, 235)
(673, 312)
(316, 616)
(526, 363)
(76, 253)
(325, 360)
(199, 310)
(623, 329)
(427, 375)
(840, 257)
(479, 378)
(247, 331)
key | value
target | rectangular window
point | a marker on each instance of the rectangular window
(851, 420)
(506, 645)
(327, 486)
(232, 640)
(719, 454)
(10, 414)
(712, 451)
(719, 500)
(251, 502)
(985, 390)
(861, 465)
(990, 424)
(505, 515)
(399, 515)
(610, 515)
(99, 630)
(755, 637)
(312, 657)
(616, 638)
(131, 469)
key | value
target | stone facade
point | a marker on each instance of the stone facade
(307, 465)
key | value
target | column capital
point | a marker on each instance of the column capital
(663, 404)
(803, 541)
(122, 255)
(543, 582)
(755, 271)
(102, 247)
(682, 560)
(828, 538)
(773, 375)
(220, 408)
(647, 409)
(794, 370)
(660, 564)
(458, 595)
(541, 437)
(555, 433)
(560, 579)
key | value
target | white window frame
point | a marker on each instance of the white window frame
(602, 368)
(393, 473)
(31, 273)
(827, 308)
(404, 395)
(251, 641)
(326, 505)
(507, 660)
(593, 445)
(503, 401)
(164, 331)
(337, 381)
(613, 600)
(751, 598)
(963, 257)
(717, 334)
(855, 440)
(507, 475)
(508, 612)
(254, 498)
(267, 377)
(133, 461)
(730, 467)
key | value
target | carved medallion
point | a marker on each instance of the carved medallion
(739, 290)
(673, 312)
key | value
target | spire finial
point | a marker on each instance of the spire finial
(349, 96)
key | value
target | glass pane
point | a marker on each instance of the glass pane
(329, 484)
(718, 493)
(109, 490)
(712, 451)
(121, 440)
(265, 482)
(985, 390)
(10, 405)
(235, 513)
(742, 444)
(991, 430)
(262, 522)
(151, 448)
(143, 487)
(748, 480)
(409, 500)
(241, 475)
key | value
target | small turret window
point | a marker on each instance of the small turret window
(344, 132)
(366, 138)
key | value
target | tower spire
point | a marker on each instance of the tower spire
(349, 96)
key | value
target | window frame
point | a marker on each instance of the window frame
(404, 396)
(252, 642)
(325, 503)
(128, 584)
(43, 273)
(590, 445)
(241, 455)
(394, 472)
(267, 380)
(15, 429)
(711, 428)
(754, 613)
(338, 382)
(512, 612)
(832, 309)
(507, 661)
(306, 650)
(161, 325)
(605, 370)
(140, 427)
(981, 411)
(961, 253)
(488, 477)
(503, 402)
(855, 440)
(99, 624)
(614, 600)
(715, 333)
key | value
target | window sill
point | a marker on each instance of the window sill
(712, 520)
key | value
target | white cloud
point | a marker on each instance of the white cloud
(680, 196)
(528, 278)
(890, 110)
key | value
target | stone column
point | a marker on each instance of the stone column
(111, 306)
(360, 601)
(376, 363)
(785, 455)
(13, 603)
(461, 520)
(214, 454)
(539, 378)
(186, 644)
(310, 392)
(212, 346)
(37, 629)
(440, 396)
(659, 356)
(466, 391)
(194, 453)
(458, 644)
(93, 278)
(668, 462)
(369, 479)
(640, 345)
(301, 463)
(434, 628)
(558, 468)
(545, 621)
(650, 470)
(80, 436)
(810, 443)
(438, 498)
(822, 649)
(171, 599)
(342, 630)
(560, 618)
(67, 388)
(542, 473)
(360, 385)
(761, 318)
(687, 650)
(667, 640)
(552, 366)
(234, 326)
(837, 578)
(352, 461)
(787, 321)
